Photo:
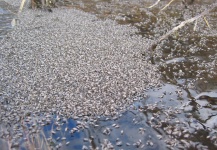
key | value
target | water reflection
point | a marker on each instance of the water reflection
(123, 132)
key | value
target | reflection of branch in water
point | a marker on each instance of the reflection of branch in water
(92, 141)
(187, 90)
(211, 100)
(209, 117)
(193, 102)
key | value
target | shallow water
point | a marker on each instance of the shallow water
(181, 114)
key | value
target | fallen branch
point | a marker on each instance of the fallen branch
(182, 24)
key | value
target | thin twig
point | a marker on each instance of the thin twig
(207, 23)
(154, 4)
(167, 5)
(21, 6)
(195, 25)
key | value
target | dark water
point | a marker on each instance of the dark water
(181, 114)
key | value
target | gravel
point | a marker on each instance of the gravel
(72, 63)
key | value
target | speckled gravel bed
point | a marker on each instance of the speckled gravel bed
(69, 62)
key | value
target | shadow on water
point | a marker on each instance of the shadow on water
(181, 114)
